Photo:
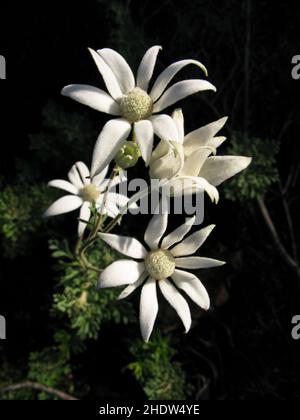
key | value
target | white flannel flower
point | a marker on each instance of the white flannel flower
(188, 157)
(154, 266)
(86, 192)
(132, 100)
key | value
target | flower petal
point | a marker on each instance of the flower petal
(75, 178)
(85, 214)
(121, 272)
(178, 234)
(119, 67)
(193, 287)
(194, 162)
(168, 165)
(175, 299)
(167, 75)
(201, 136)
(132, 287)
(144, 136)
(181, 90)
(216, 142)
(110, 208)
(109, 78)
(179, 122)
(184, 185)
(164, 127)
(98, 179)
(110, 140)
(126, 245)
(93, 97)
(190, 245)
(218, 169)
(155, 229)
(197, 262)
(146, 68)
(64, 205)
(63, 185)
(84, 172)
(148, 308)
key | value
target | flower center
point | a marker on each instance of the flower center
(90, 193)
(136, 105)
(160, 264)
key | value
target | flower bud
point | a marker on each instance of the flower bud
(128, 155)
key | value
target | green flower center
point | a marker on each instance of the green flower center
(90, 193)
(136, 105)
(160, 264)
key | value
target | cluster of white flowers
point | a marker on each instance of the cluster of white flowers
(176, 158)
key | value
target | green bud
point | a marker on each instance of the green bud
(128, 155)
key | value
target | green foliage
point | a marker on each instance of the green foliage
(10, 374)
(86, 306)
(262, 172)
(50, 367)
(21, 209)
(160, 377)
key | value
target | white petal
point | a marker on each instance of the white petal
(132, 287)
(111, 183)
(64, 205)
(119, 200)
(121, 272)
(216, 142)
(120, 68)
(155, 229)
(170, 163)
(126, 245)
(179, 122)
(181, 90)
(197, 262)
(110, 140)
(167, 75)
(144, 136)
(164, 127)
(98, 179)
(178, 234)
(110, 208)
(218, 169)
(84, 172)
(175, 299)
(93, 97)
(148, 308)
(194, 162)
(190, 245)
(201, 136)
(75, 178)
(184, 185)
(193, 287)
(146, 68)
(85, 214)
(63, 185)
(109, 78)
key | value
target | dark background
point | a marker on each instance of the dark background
(244, 345)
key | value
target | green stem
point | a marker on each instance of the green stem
(98, 226)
